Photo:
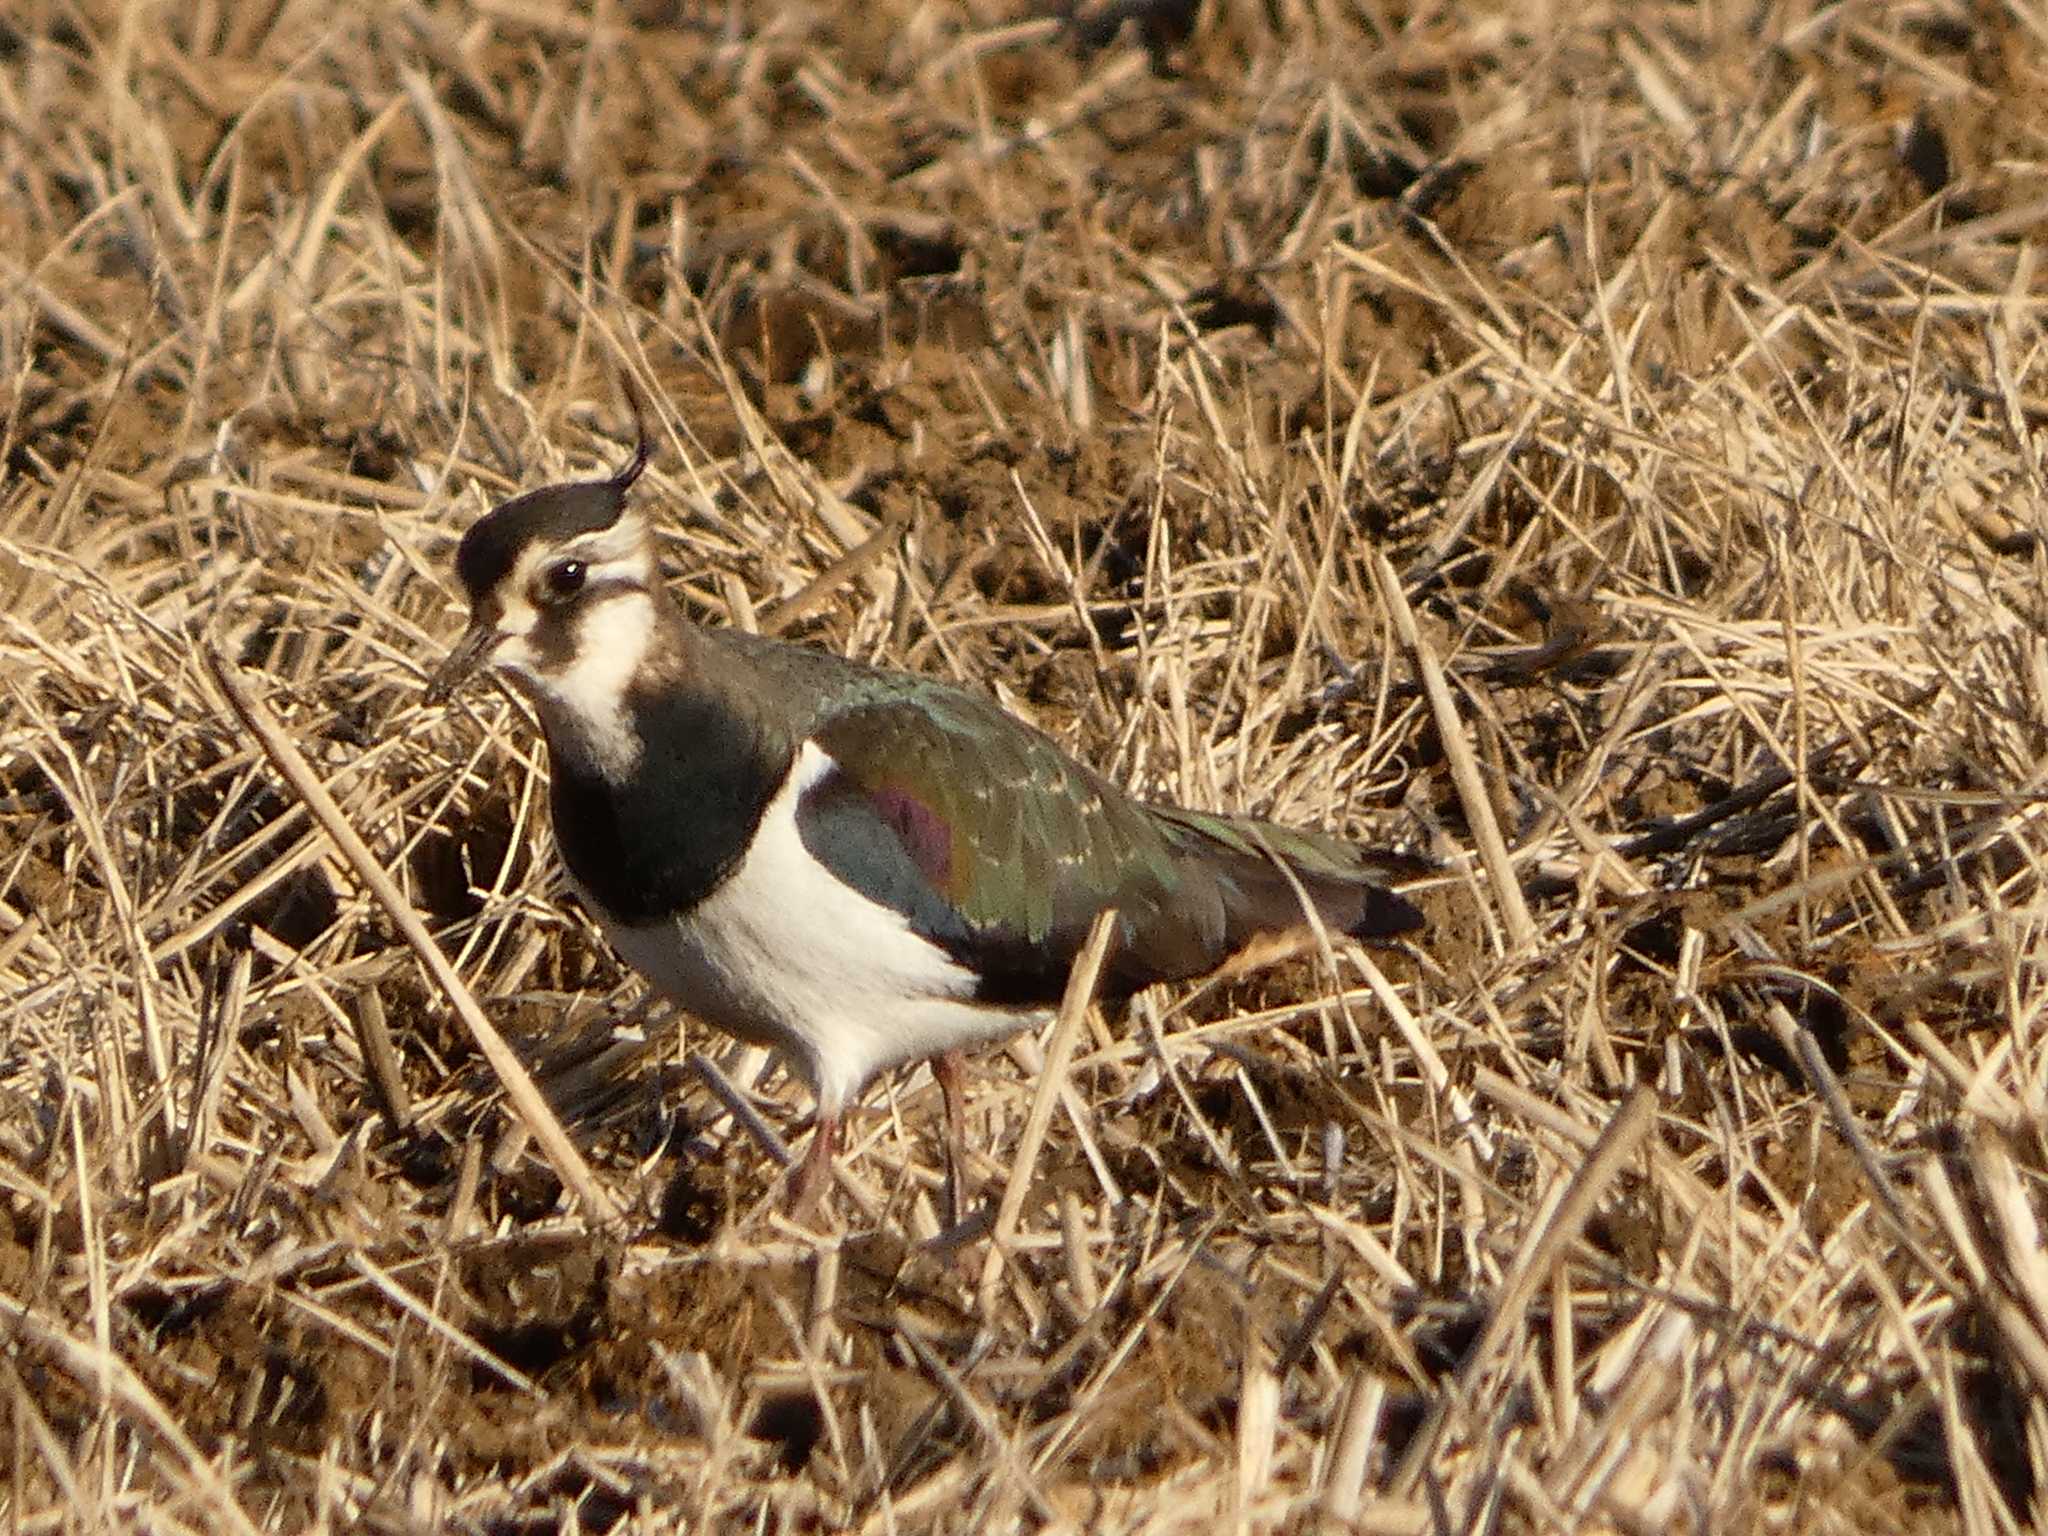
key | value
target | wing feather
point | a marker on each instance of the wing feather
(999, 847)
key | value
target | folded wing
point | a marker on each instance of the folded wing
(1000, 848)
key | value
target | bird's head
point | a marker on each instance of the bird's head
(561, 584)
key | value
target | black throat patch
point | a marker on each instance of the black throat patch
(654, 844)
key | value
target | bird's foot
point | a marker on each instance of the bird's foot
(813, 1175)
(948, 1069)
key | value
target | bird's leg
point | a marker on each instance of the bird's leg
(947, 1069)
(814, 1174)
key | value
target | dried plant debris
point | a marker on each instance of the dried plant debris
(1598, 456)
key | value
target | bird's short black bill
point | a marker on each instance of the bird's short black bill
(470, 653)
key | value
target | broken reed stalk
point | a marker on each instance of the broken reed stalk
(1450, 727)
(527, 1104)
(1541, 1250)
(104, 1369)
(1074, 1005)
(1537, 420)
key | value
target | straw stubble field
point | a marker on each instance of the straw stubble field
(1595, 449)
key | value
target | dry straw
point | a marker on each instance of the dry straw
(1596, 449)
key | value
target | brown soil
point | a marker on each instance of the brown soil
(1681, 365)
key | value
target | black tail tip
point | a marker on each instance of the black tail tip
(1386, 916)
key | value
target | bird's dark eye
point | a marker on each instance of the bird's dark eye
(563, 580)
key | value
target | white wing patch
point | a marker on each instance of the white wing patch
(785, 953)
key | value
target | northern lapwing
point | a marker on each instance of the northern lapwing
(860, 868)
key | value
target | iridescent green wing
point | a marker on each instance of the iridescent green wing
(998, 846)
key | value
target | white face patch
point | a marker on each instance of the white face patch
(580, 686)
(625, 549)
(620, 549)
(583, 704)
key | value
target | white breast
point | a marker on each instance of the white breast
(784, 952)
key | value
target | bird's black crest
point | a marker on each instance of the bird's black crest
(554, 512)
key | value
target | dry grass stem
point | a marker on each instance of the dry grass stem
(1052, 1078)
(521, 1095)
(1592, 454)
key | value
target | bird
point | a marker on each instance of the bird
(860, 868)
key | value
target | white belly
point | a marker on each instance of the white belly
(784, 953)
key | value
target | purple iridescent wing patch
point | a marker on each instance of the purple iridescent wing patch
(922, 830)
